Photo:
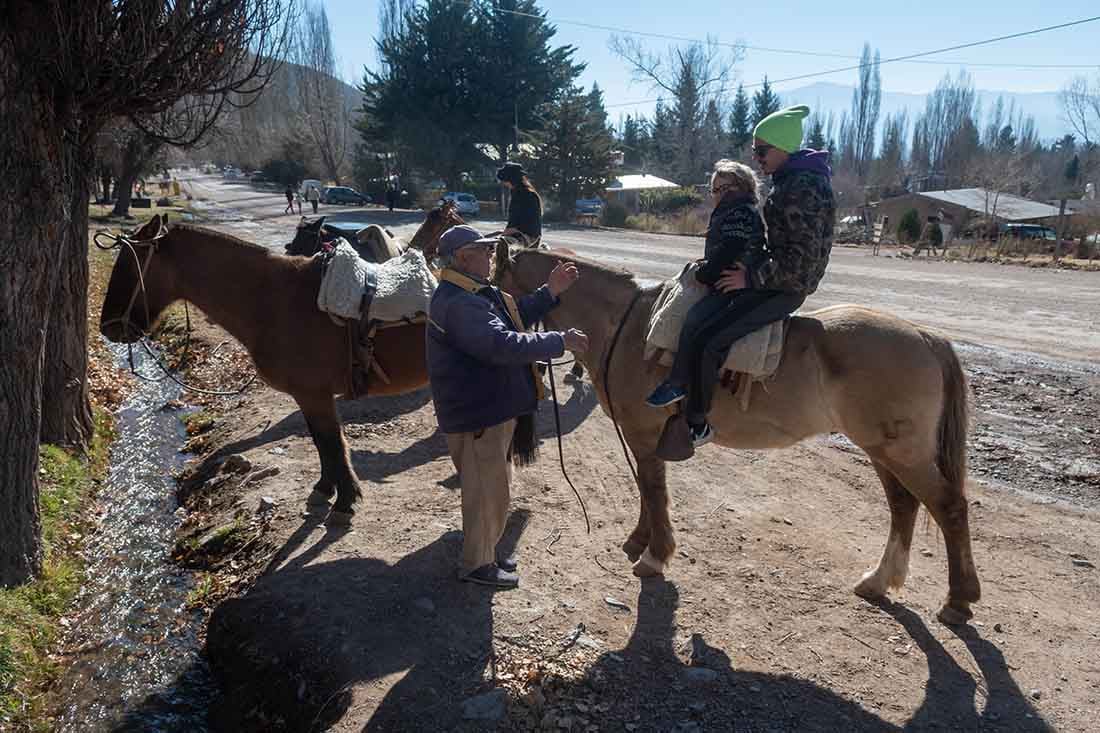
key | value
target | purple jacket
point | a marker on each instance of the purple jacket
(479, 361)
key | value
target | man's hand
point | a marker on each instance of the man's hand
(562, 278)
(732, 279)
(575, 340)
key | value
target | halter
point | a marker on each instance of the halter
(117, 241)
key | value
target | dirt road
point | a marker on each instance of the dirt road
(754, 626)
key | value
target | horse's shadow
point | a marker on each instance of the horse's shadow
(949, 694)
(712, 693)
(379, 466)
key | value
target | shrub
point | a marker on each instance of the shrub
(667, 200)
(909, 227)
(614, 215)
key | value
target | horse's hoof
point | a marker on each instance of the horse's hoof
(648, 566)
(318, 499)
(956, 614)
(338, 519)
(633, 550)
(870, 587)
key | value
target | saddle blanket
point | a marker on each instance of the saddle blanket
(757, 354)
(403, 285)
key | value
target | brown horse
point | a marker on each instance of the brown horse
(267, 302)
(896, 390)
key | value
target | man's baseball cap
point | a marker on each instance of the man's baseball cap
(461, 236)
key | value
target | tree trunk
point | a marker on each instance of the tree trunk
(66, 411)
(33, 224)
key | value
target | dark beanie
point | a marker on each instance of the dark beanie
(512, 172)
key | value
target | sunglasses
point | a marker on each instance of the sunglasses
(761, 150)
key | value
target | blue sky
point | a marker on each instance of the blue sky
(837, 27)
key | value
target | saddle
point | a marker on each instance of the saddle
(365, 298)
(753, 358)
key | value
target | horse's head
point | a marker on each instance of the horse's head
(439, 220)
(521, 270)
(307, 239)
(137, 291)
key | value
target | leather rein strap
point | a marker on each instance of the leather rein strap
(607, 385)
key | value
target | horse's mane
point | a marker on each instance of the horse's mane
(208, 232)
(613, 274)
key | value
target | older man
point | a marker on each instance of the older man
(480, 360)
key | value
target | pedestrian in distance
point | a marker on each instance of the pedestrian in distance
(289, 199)
(314, 197)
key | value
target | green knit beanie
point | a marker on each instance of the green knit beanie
(783, 129)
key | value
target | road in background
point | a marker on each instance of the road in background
(1048, 311)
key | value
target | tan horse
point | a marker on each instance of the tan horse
(268, 302)
(896, 390)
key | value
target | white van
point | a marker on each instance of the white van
(308, 184)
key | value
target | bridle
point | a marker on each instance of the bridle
(120, 241)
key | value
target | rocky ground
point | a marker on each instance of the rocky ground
(754, 627)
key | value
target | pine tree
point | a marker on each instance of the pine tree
(574, 146)
(816, 138)
(631, 142)
(764, 102)
(712, 136)
(740, 124)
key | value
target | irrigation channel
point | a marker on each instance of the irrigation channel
(136, 660)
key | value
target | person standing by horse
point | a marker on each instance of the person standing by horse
(525, 209)
(800, 213)
(485, 390)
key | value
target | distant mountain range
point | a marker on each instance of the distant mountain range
(837, 98)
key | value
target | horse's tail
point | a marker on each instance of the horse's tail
(955, 417)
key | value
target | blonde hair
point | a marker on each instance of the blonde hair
(729, 175)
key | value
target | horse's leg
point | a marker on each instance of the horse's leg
(325, 488)
(659, 549)
(894, 565)
(948, 507)
(638, 540)
(324, 425)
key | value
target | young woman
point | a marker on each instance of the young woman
(525, 211)
(736, 239)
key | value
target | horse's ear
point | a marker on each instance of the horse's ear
(148, 230)
(502, 260)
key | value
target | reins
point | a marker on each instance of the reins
(116, 242)
(607, 385)
(557, 429)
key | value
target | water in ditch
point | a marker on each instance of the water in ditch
(135, 661)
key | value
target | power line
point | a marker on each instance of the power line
(768, 49)
(895, 59)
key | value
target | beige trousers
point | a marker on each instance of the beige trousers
(485, 473)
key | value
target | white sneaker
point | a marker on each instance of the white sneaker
(702, 435)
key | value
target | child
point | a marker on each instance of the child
(735, 240)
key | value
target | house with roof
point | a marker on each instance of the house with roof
(626, 188)
(956, 209)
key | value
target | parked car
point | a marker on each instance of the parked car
(308, 184)
(343, 195)
(588, 207)
(466, 203)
